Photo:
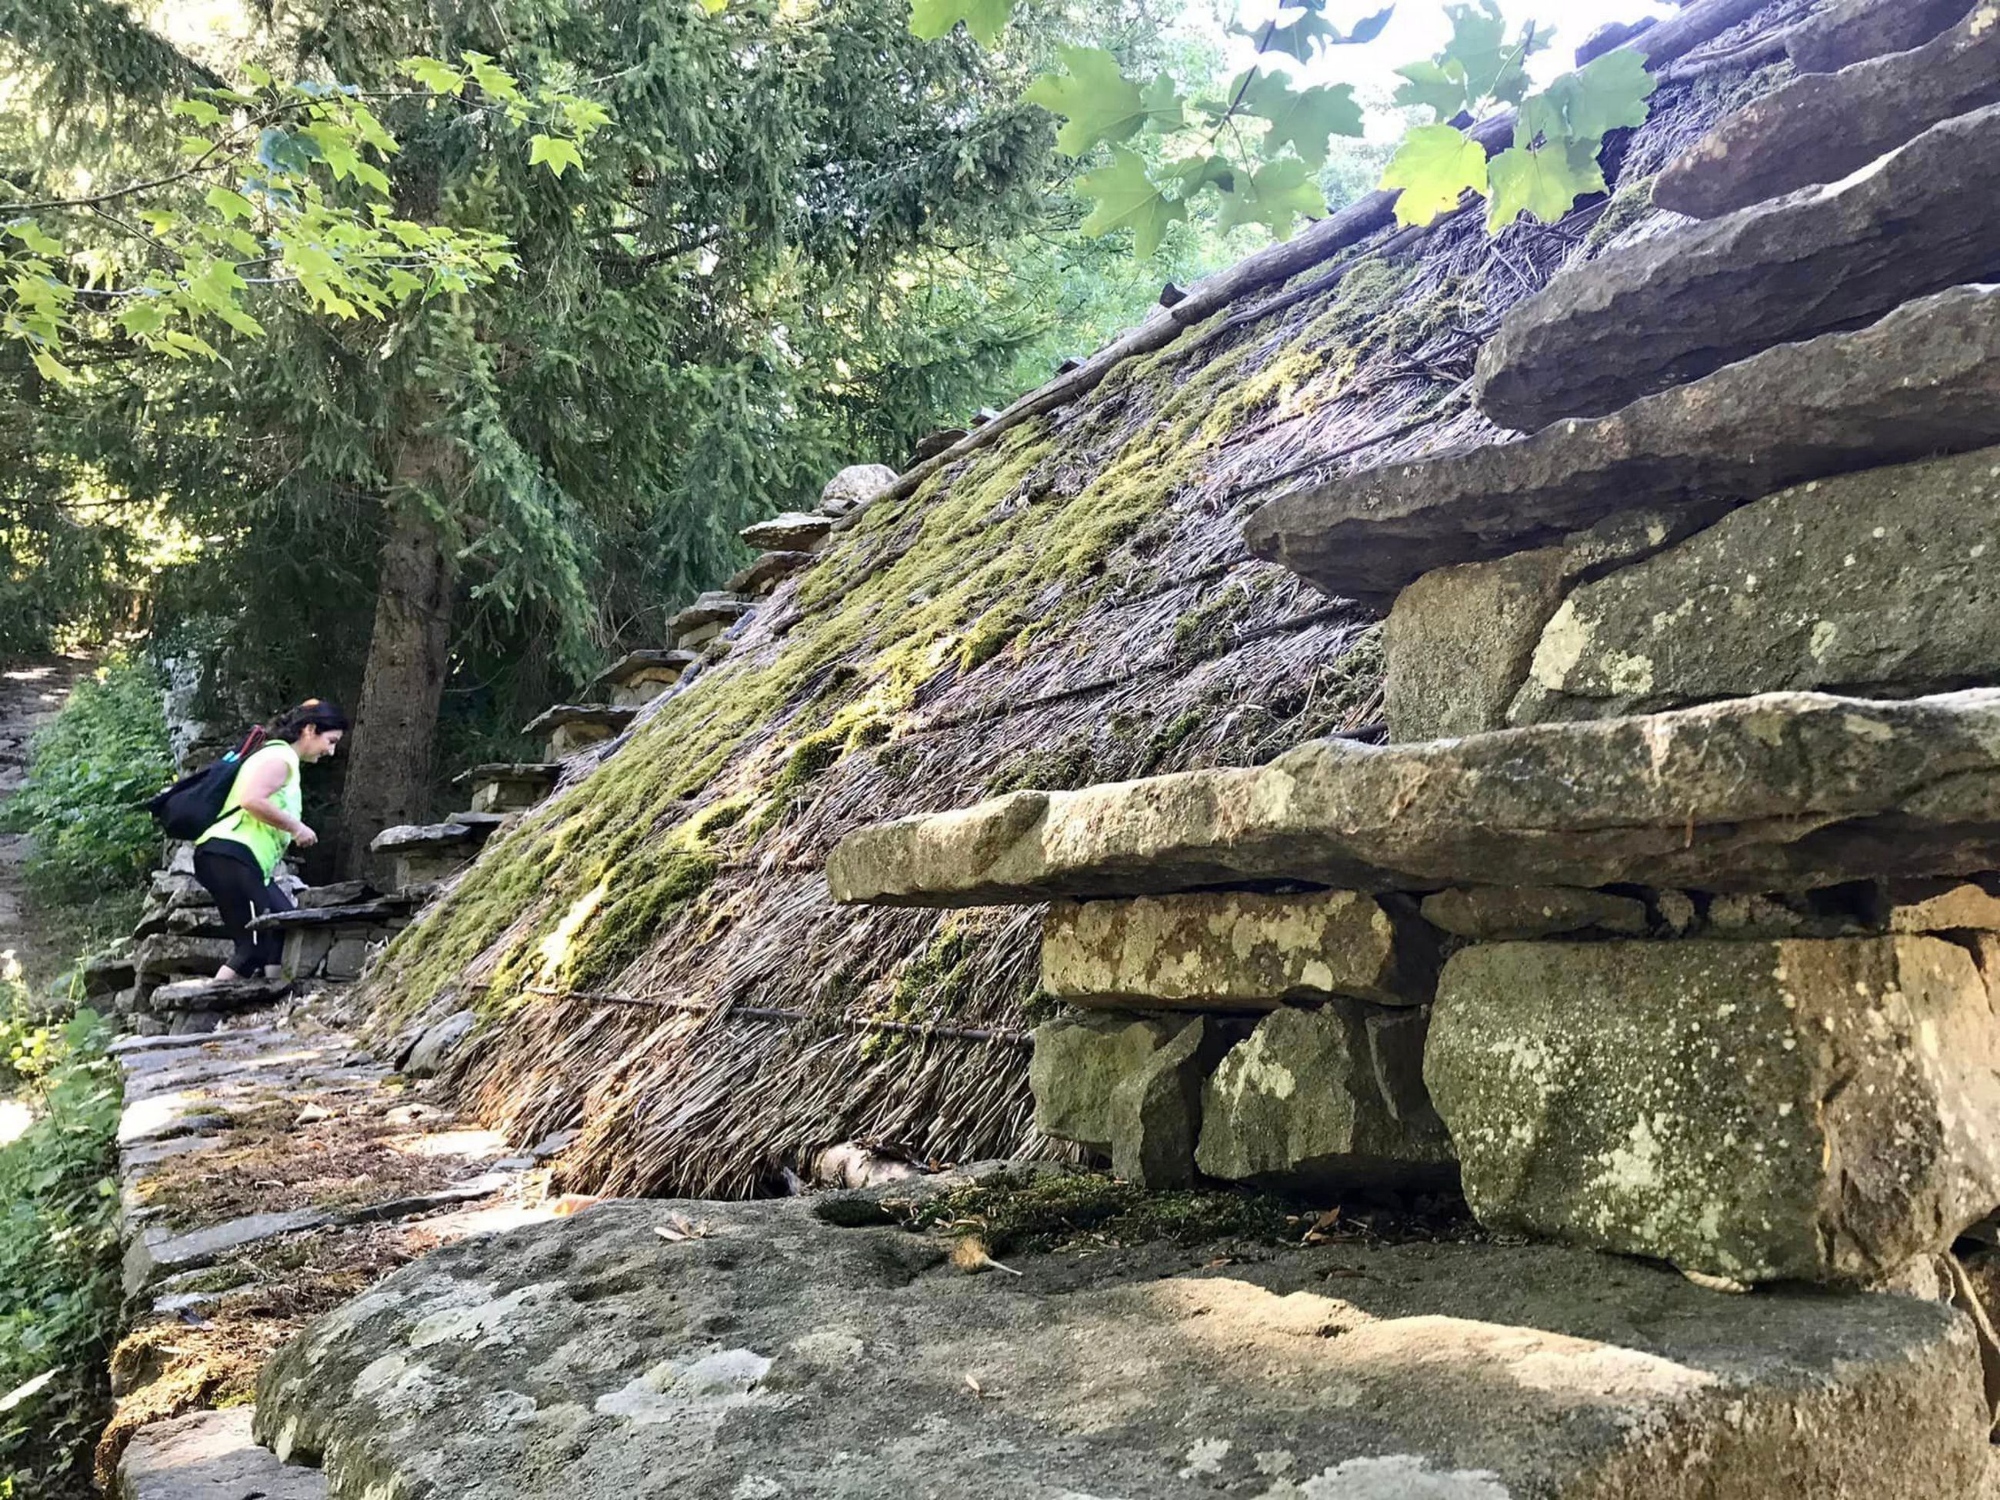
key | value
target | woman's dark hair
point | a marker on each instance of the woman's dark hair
(315, 713)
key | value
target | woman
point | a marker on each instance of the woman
(237, 858)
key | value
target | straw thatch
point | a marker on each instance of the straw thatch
(1070, 604)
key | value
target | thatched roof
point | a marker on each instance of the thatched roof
(1063, 599)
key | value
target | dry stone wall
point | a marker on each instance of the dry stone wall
(1693, 700)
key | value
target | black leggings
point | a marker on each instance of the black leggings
(241, 892)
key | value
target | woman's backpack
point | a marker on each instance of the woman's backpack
(190, 807)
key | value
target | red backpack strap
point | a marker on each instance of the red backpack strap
(252, 742)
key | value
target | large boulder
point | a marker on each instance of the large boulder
(1233, 950)
(1816, 1110)
(1785, 791)
(743, 1350)
(1328, 1100)
(1822, 126)
(1790, 593)
(1923, 380)
(853, 487)
(1672, 308)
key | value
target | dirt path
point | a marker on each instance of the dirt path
(32, 692)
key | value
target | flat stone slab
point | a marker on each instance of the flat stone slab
(717, 607)
(365, 913)
(209, 1455)
(1494, 912)
(792, 531)
(1852, 31)
(219, 994)
(629, 667)
(1789, 592)
(1921, 381)
(545, 773)
(769, 1354)
(1785, 791)
(1822, 126)
(1237, 950)
(450, 835)
(340, 893)
(761, 575)
(610, 717)
(1817, 1110)
(154, 1253)
(1674, 307)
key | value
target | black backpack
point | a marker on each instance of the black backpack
(188, 808)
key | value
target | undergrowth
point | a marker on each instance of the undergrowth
(93, 841)
(58, 1251)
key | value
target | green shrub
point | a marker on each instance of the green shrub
(59, 1263)
(93, 767)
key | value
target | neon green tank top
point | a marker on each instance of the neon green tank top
(260, 838)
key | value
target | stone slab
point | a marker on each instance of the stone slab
(1821, 126)
(340, 893)
(717, 607)
(426, 836)
(1156, 1108)
(1852, 31)
(1489, 913)
(1076, 1065)
(542, 771)
(764, 573)
(1786, 791)
(1672, 308)
(1237, 951)
(1328, 1100)
(774, 1355)
(1818, 1110)
(1884, 581)
(381, 910)
(209, 1455)
(633, 665)
(1923, 380)
(154, 1253)
(791, 531)
(605, 718)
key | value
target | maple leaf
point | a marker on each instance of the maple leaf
(1433, 167)
(985, 19)
(1127, 198)
(1311, 32)
(1100, 104)
(1545, 182)
(1307, 118)
(1276, 194)
(1607, 93)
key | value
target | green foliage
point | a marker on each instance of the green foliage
(1558, 133)
(58, 1251)
(93, 767)
(1037, 1212)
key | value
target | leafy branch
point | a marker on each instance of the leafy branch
(296, 185)
(1268, 174)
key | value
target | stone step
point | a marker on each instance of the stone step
(1852, 31)
(219, 995)
(1349, 1371)
(792, 531)
(1808, 1110)
(1822, 126)
(768, 571)
(1674, 307)
(452, 834)
(382, 909)
(210, 1455)
(1785, 791)
(339, 893)
(640, 676)
(569, 727)
(1924, 379)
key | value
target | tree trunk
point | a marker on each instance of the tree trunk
(395, 726)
